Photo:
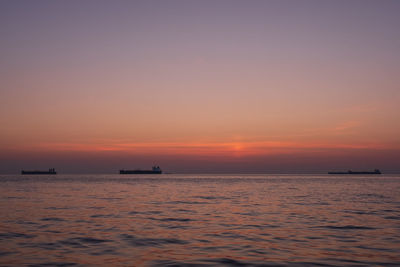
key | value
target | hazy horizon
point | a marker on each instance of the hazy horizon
(70, 163)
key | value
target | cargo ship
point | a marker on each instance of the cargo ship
(154, 170)
(376, 171)
(50, 171)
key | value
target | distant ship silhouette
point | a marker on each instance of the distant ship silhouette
(50, 171)
(154, 170)
(376, 171)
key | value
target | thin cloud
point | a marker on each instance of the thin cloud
(234, 149)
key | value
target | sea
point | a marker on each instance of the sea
(200, 220)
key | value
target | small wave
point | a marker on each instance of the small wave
(247, 226)
(353, 261)
(371, 196)
(306, 264)
(257, 251)
(25, 222)
(166, 263)
(219, 262)
(91, 240)
(226, 261)
(15, 235)
(43, 245)
(302, 196)
(170, 219)
(14, 197)
(58, 264)
(82, 242)
(188, 202)
(376, 248)
(72, 243)
(211, 197)
(322, 203)
(145, 212)
(105, 252)
(203, 240)
(214, 248)
(389, 210)
(185, 211)
(95, 208)
(360, 212)
(251, 213)
(232, 235)
(348, 227)
(392, 217)
(53, 219)
(82, 221)
(59, 208)
(137, 241)
(104, 216)
(6, 253)
(314, 237)
(52, 231)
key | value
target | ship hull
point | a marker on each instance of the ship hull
(139, 172)
(355, 173)
(38, 173)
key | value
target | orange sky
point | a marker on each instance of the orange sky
(248, 81)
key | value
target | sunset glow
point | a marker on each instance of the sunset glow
(218, 79)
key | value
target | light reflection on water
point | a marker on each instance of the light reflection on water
(199, 219)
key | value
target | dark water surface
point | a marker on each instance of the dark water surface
(191, 220)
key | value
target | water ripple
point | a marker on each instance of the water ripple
(138, 241)
(208, 220)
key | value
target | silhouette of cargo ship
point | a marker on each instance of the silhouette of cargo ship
(50, 171)
(154, 170)
(376, 171)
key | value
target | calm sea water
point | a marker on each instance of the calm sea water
(192, 220)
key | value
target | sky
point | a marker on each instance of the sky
(200, 86)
